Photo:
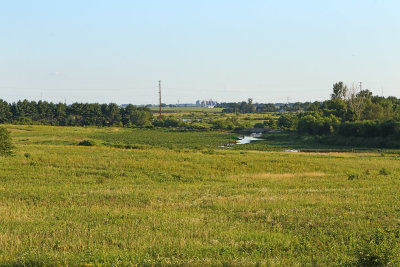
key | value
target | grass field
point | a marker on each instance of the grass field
(192, 203)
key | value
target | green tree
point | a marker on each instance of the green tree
(141, 117)
(266, 108)
(6, 145)
(336, 107)
(288, 121)
(315, 107)
(5, 113)
(339, 91)
(372, 111)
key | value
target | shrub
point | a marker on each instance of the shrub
(287, 121)
(219, 124)
(259, 125)
(171, 122)
(87, 143)
(352, 176)
(270, 123)
(317, 125)
(370, 129)
(196, 126)
(384, 171)
(6, 145)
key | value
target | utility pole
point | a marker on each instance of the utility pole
(159, 93)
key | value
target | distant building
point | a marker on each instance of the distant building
(206, 103)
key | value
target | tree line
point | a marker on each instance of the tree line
(101, 115)
(250, 107)
(76, 114)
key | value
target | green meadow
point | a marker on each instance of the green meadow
(158, 197)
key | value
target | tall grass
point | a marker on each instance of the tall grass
(63, 204)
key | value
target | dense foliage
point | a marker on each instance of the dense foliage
(242, 107)
(85, 114)
(77, 114)
(250, 107)
(350, 114)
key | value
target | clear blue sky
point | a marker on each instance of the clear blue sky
(228, 50)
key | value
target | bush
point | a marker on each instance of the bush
(384, 171)
(259, 125)
(6, 145)
(87, 143)
(317, 125)
(219, 124)
(287, 121)
(171, 122)
(270, 123)
(371, 129)
(352, 176)
(195, 126)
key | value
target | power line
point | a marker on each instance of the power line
(159, 93)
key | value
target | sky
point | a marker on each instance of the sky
(225, 50)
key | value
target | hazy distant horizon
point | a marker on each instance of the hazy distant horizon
(290, 99)
(103, 51)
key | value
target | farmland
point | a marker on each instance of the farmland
(119, 137)
(186, 109)
(152, 196)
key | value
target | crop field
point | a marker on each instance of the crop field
(207, 116)
(187, 109)
(119, 137)
(165, 138)
(157, 197)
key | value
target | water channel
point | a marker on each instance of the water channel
(242, 140)
(248, 139)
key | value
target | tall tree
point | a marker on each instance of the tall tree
(339, 91)
(355, 100)
(6, 145)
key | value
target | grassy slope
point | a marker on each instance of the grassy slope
(64, 204)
